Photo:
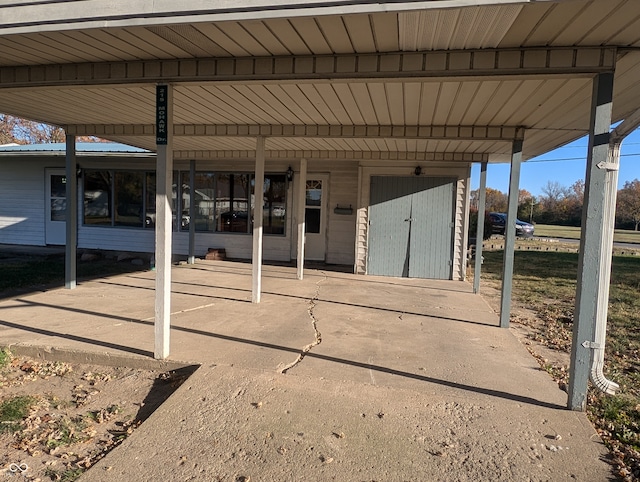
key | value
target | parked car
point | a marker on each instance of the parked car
(498, 221)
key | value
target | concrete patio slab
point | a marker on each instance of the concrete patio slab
(335, 377)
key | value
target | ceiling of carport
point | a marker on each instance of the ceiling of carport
(554, 109)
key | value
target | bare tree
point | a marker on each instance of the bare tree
(23, 131)
(628, 206)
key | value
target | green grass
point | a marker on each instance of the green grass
(5, 358)
(64, 475)
(570, 232)
(545, 282)
(13, 411)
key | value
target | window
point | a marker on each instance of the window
(204, 194)
(232, 203)
(58, 197)
(313, 208)
(222, 201)
(97, 198)
(128, 198)
(274, 205)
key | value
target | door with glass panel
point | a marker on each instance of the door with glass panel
(315, 214)
(55, 206)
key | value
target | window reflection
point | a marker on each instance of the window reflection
(222, 201)
(58, 197)
(128, 198)
(313, 209)
(97, 197)
(232, 203)
(274, 208)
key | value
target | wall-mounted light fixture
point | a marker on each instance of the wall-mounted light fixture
(417, 171)
(289, 174)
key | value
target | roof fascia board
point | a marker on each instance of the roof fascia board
(333, 155)
(472, 133)
(433, 64)
(55, 15)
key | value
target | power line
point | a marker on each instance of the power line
(563, 159)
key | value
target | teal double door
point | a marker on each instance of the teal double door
(411, 227)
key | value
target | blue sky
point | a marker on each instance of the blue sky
(564, 165)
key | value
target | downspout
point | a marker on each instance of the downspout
(596, 374)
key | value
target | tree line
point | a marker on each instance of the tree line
(562, 205)
(16, 130)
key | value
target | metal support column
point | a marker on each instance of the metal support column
(258, 204)
(301, 202)
(482, 202)
(510, 234)
(192, 212)
(71, 214)
(164, 173)
(593, 270)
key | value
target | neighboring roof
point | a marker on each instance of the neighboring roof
(81, 147)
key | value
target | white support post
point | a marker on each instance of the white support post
(302, 199)
(510, 234)
(482, 203)
(71, 215)
(258, 205)
(192, 212)
(164, 173)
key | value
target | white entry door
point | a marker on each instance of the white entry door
(315, 217)
(55, 206)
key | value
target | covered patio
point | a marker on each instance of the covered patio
(354, 90)
(377, 375)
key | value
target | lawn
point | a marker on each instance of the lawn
(571, 232)
(545, 282)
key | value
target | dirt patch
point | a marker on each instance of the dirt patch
(73, 414)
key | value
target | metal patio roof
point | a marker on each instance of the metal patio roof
(445, 79)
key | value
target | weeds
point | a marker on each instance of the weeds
(5, 358)
(65, 475)
(545, 282)
(13, 411)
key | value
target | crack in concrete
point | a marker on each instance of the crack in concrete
(314, 323)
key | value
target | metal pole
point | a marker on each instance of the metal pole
(258, 201)
(71, 214)
(192, 212)
(593, 277)
(482, 201)
(302, 198)
(510, 235)
(164, 172)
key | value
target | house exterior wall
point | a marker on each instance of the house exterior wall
(22, 198)
(22, 208)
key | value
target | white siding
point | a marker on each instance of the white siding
(343, 190)
(22, 209)
(22, 198)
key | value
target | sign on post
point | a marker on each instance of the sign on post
(162, 92)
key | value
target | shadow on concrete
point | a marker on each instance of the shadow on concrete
(272, 346)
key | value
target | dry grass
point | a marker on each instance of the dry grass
(545, 282)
